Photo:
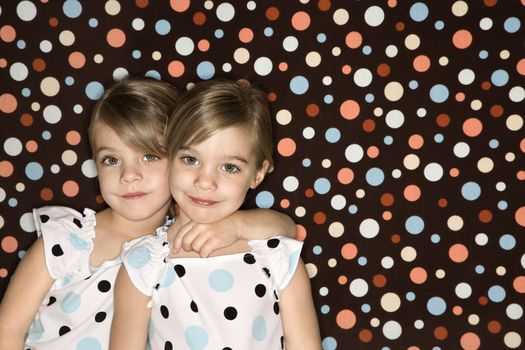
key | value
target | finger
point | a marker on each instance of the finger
(198, 242)
(178, 236)
(189, 237)
(207, 248)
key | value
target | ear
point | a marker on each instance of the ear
(260, 174)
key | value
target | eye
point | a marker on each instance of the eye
(110, 160)
(189, 160)
(231, 168)
(150, 157)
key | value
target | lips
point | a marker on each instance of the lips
(134, 195)
(203, 202)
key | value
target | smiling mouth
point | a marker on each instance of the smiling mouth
(134, 195)
(203, 202)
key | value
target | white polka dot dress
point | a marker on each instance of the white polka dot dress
(221, 302)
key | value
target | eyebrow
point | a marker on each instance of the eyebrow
(232, 157)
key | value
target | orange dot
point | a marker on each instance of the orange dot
(520, 66)
(349, 109)
(319, 218)
(283, 66)
(312, 110)
(9, 244)
(349, 251)
(472, 127)
(353, 40)
(494, 327)
(443, 120)
(470, 341)
(203, 45)
(8, 103)
(379, 280)
(400, 26)
(491, 3)
(496, 111)
(142, 3)
(387, 215)
(486, 85)
(77, 59)
(53, 22)
(483, 300)
(39, 65)
(346, 69)
(3, 63)
(309, 193)
(460, 97)
(458, 253)
(26, 119)
(176, 68)
(519, 284)
(345, 176)
(301, 20)
(520, 175)
(3, 273)
(7, 33)
(365, 335)
(387, 199)
(345, 319)
(70, 188)
(31, 146)
(395, 238)
(372, 152)
(440, 333)
(300, 235)
(116, 37)
(462, 39)
(6, 168)
(454, 172)
(199, 18)
(73, 137)
(99, 199)
(286, 147)
(519, 216)
(246, 35)
(324, 5)
(369, 125)
(442, 202)
(342, 280)
(485, 216)
(416, 141)
(272, 13)
(285, 203)
(46, 194)
(180, 5)
(421, 63)
(457, 310)
(383, 70)
(272, 97)
(418, 275)
(412, 193)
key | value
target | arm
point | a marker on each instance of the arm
(27, 289)
(243, 224)
(301, 330)
(129, 329)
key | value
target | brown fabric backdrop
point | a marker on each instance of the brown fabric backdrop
(399, 143)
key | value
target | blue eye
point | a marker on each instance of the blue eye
(110, 160)
(151, 157)
(189, 160)
(231, 168)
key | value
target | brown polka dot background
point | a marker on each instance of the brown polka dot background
(398, 130)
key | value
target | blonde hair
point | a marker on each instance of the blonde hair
(214, 105)
(137, 109)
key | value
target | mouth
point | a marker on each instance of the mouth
(203, 202)
(134, 195)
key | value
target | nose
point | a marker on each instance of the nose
(130, 174)
(205, 179)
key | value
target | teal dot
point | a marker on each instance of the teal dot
(388, 140)
(483, 54)
(89, 343)
(219, 33)
(26, 92)
(196, 337)
(12, 202)
(439, 138)
(162, 27)
(480, 269)
(21, 44)
(317, 250)
(325, 309)
(71, 303)
(322, 185)
(46, 135)
(220, 280)
(366, 308)
(367, 50)
(436, 306)
(369, 98)
(502, 205)
(69, 81)
(299, 85)
(329, 343)
(328, 99)
(410, 296)
(413, 84)
(352, 209)
(136, 54)
(259, 328)
(34, 171)
(493, 143)
(471, 191)
(268, 32)
(139, 257)
(93, 22)
(435, 238)
(507, 242)
(307, 162)
(496, 294)
(439, 25)
(321, 37)
(264, 199)
(205, 70)
(362, 261)
(375, 176)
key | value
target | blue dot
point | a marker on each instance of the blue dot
(439, 93)
(388, 140)
(413, 84)
(328, 99)
(414, 225)
(362, 261)
(69, 81)
(321, 37)
(480, 269)
(138, 258)
(507, 242)
(196, 337)
(496, 294)
(162, 27)
(493, 143)
(259, 328)
(435, 238)
(219, 33)
(21, 44)
(136, 54)
(375, 176)
(34, 171)
(471, 191)
(325, 309)
(46, 135)
(499, 77)
(436, 348)
(220, 280)
(70, 303)
(307, 162)
(410, 296)
(439, 25)
(26, 92)
(512, 25)
(419, 12)
(332, 135)
(268, 32)
(352, 209)
(369, 98)
(205, 70)
(72, 8)
(35, 331)
(153, 74)
(169, 278)
(322, 185)
(21, 254)
(483, 54)
(88, 343)
(93, 22)
(366, 308)
(367, 50)
(329, 343)
(299, 85)
(436, 306)
(502, 205)
(94, 90)
(13, 202)
(264, 199)
(317, 250)
(438, 138)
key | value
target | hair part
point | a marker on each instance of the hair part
(214, 105)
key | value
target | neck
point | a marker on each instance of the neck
(129, 228)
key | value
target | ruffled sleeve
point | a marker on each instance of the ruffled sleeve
(279, 256)
(68, 241)
(144, 259)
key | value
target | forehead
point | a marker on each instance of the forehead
(230, 141)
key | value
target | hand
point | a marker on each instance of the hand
(204, 238)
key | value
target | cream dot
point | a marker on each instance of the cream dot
(393, 91)
(459, 8)
(360, 193)
(455, 222)
(481, 239)
(20, 187)
(184, 46)
(338, 202)
(18, 71)
(50, 86)
(283, 117)
(501, 270)
(326, 163)
(514, 122)
(52, 114)
(463, 290)
(392, 330)
(408, 254)
(332, 262)
(313, 59)
(390, 302)
(473, 319)
(396, 173)
(412, 42)
(514, 311)
(69, 157)
(461, 149)
(300, 212)
(512, 340)
(98, 58)
(358, 287)
(27, 222)
(35, 106)
(411, 161)
(510, 157)
(375, 322)
(336, 51)
(112, 7)
(311, 269)
(341, 17)
(476, 105)
(66, 38)
(369, 228)
(504, 54)
(290, 183)
(241, 55)
(485, 165)
(89, 169)
(156, 55)
(440, 273)
(433, 172)
(336, 229)
(378, 111)
(443, 61)
(55, 168)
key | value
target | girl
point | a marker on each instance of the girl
(61, 295)
(250, 295)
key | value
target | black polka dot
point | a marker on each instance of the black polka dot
(63, 330)
(100, 316)
(230, 313)
(77, 222)
(180, 270)
(194, 307)
(227, 348)
(168, 346)
(164, 311)
(260, 290)
(44, 218)
(249, 258)
(276, 308)
(56, 250)
(267, 272)
(51, 301)
(282, 342)
(104, 286)
(273, 243)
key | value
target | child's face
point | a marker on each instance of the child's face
(134, 184)
(209, 181)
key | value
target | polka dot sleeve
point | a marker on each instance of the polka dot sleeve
(144, 259)
(280, 256)
(68, 241)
